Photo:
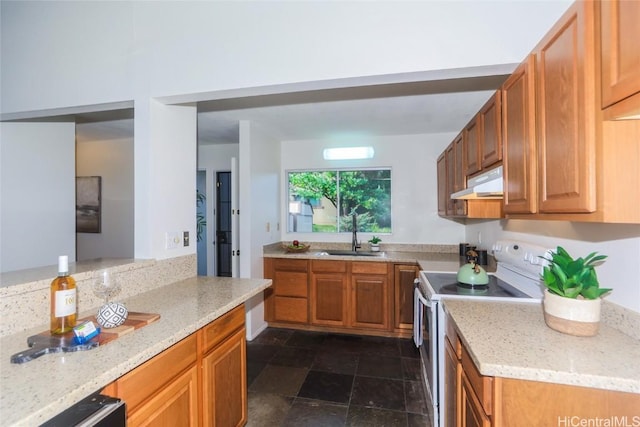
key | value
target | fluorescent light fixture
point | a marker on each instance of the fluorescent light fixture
(348, 153)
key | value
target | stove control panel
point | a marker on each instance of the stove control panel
(523, 256)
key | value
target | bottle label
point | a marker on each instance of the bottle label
(65, 302)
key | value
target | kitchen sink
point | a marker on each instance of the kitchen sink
(349, 253)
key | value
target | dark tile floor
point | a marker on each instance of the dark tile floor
(299, 378)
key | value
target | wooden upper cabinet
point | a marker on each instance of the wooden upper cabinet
(450, 165)
(490, 142)
(518, 127)
(472, 147)
(459, 177)
(443, 194)
(566, 103)
(620, 35)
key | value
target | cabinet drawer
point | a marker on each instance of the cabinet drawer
(291, 284)
(147, 379)
(218, 330)
(369, 267)
(481, 385)
(328, 266)
(285, 264)
(291, 309)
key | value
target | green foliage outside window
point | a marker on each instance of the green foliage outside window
(332, 197)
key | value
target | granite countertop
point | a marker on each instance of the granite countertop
(511, 340)
(428, 257)
(33, 392)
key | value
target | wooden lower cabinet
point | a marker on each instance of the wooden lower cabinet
(452, 366)
(342, 295)
(224, 383)
(471, 411)
(200, 381)
(370, 298)
(287, 299)
(350, 294)
(176, 404)
(329, 296)
(403, 278)
(538, 404)
(485, 401)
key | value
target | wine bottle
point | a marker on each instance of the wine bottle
(63, 299)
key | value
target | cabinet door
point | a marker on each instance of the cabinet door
(443, 193)
(452, 369)
(175, 405)
(450, 163)
(472, 147)
(620, 34)
(518, 124)
(403, 278)
(224, 388)
(329, 293)
(471, 413)
(566, 116)
(370, 301)
(459, 177)
(490, 142)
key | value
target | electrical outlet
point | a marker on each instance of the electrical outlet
(172, 239)
(185, 238)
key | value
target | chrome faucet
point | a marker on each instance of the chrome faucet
(354, 234)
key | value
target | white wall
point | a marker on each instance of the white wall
(37, 183)
(140, 51)
(414, 204)
(621, 242)
(130, 49)
(113, 161)
(214, 158)
(170, 187)
(259, 209)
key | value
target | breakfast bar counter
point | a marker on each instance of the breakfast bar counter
(33, 392)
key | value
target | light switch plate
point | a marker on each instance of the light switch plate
(172, 239)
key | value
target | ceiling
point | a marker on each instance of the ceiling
(388, 109)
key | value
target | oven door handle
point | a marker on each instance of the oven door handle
(421, 298)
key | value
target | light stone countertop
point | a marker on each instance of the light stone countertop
(33, 392)
(511, 340)
(428, 257)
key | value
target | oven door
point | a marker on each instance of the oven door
(426, 338)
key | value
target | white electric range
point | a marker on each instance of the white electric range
(517, 277)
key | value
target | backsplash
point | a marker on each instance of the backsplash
(25, 304)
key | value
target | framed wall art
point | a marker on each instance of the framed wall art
(88, 204)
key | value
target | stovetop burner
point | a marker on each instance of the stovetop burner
(447, 284)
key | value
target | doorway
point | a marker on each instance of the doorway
(201, 221)
(223, 224)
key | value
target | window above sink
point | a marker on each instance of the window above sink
(323, 201)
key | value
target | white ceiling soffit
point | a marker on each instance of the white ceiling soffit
(434, 106)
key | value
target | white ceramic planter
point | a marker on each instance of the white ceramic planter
(375, 248)
(579, 317)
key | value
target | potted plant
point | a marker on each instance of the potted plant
(375, 243)
(572, 295)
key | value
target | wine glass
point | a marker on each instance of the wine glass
(105, 285)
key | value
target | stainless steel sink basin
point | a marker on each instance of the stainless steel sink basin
(349, 253)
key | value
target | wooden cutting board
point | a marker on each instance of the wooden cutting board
(45, 342)
(134, 321)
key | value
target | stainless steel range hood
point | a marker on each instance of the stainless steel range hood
(487, 185)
